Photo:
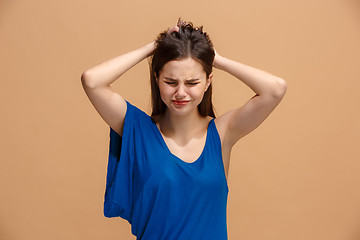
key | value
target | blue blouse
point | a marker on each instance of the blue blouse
(160, 195)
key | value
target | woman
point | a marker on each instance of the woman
(167, 174)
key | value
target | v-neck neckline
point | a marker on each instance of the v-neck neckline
(176, 157)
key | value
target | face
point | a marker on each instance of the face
(182, 85)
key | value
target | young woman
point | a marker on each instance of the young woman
(167, 173)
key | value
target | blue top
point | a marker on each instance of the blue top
(160, 195)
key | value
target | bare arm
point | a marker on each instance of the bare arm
(107, 72)
(96, 83)
(269, 90)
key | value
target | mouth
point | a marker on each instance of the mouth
(180, 102)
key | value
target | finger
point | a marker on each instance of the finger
(180, 23)
(175, 28)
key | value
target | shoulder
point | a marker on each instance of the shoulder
(134, 111)
(134, 116)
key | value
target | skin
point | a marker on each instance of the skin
(183, 80)
(183, 129)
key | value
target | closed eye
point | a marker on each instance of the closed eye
(170, 83)
(193, 83)
(173, 82)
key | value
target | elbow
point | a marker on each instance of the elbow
(280, 88)
(85, 80)
(83, 76)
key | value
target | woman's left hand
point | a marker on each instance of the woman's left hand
(216, 59)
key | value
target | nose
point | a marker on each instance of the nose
(180, 92)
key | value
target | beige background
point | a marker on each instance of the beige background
(295, 177)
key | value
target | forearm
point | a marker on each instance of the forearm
(261, 82)
(107, 72)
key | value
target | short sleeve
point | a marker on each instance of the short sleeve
(119, 192)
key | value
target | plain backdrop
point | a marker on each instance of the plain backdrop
(295, 177)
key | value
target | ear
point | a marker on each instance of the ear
(208, 81)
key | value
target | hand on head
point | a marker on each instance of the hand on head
(176, 28)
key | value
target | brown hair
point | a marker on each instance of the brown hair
(191, 42)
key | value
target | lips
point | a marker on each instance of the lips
(180, 102)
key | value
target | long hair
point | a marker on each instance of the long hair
(188, 42)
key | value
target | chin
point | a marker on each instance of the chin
(182, 111)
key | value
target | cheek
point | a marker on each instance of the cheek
(165, 91)
(201, 90)
(197, 94)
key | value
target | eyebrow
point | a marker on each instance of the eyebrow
(189, 80)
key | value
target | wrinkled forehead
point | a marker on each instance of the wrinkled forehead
(183, 69)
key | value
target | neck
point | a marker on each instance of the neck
(181, 126)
